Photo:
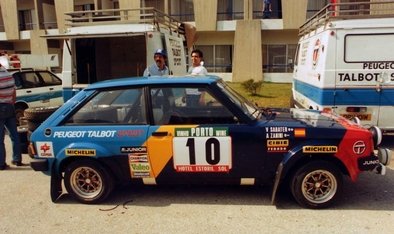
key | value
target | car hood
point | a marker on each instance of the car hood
(312, 118)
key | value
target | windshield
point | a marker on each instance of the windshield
(248, 108)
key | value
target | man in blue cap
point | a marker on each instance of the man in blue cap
(159, 68)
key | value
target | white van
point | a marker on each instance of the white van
(109, 44)
(345, 63)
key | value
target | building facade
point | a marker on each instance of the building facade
(239, 40)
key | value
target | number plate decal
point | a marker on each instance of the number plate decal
(202, 150)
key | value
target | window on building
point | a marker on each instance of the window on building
(258, 11)
(182, 10)
(230, 9)
(157, 4)
(315, 6)
(217, 58)
(25, 20)
(278, 58)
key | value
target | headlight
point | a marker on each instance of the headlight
(376, 135)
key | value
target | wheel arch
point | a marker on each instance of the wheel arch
(21, 104)
(294, 160)
(108, 165)
(300, 159)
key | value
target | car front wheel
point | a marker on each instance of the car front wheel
(316, 184)
(87, 181)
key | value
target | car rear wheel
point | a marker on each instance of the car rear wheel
(87, 181)
(316, 184)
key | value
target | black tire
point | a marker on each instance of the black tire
(88, 181)
(39, 114)
(316, 185)
(19, 113)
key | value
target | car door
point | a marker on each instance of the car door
(30, 89)
(206, 143)
(53, 87)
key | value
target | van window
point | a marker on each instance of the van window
(50, 79)
(356, 51)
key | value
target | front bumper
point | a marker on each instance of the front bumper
(39, 164)
(384, 156)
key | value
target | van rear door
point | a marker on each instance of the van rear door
(356, 83)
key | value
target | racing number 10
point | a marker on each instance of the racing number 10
(212, 151)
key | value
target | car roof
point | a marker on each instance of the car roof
(154, 80)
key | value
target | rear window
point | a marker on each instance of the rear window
(380, 50)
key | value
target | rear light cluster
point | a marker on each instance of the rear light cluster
(356, 109)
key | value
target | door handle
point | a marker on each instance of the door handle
(159, 133)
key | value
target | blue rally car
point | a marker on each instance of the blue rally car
(189, 130)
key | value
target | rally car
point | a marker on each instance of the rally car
(189, 130)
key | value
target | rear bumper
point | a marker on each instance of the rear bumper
(39, 164)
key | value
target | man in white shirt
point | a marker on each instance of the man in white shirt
(193, 96)
(197, 67)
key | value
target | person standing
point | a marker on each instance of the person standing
(197, 67)
(8, 118)
(159, 68)
(267, 9)
(193, 96)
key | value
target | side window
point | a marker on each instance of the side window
(189, 105)
(50, 79)
(26, 80)
(126, 106)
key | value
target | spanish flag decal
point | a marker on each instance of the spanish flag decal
(299, 132)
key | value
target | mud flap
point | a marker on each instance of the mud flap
(276, 183)
(56, 186)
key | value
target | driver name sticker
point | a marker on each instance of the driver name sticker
(205, 149)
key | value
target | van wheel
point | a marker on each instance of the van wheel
(316, 185)
(87, 181)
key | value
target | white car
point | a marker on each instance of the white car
(36, 88)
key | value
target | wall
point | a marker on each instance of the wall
(294, 13)
(247, 51)
(205, 14)
(10, 14)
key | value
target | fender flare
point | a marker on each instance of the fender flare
(56, 185)
(292, 154)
